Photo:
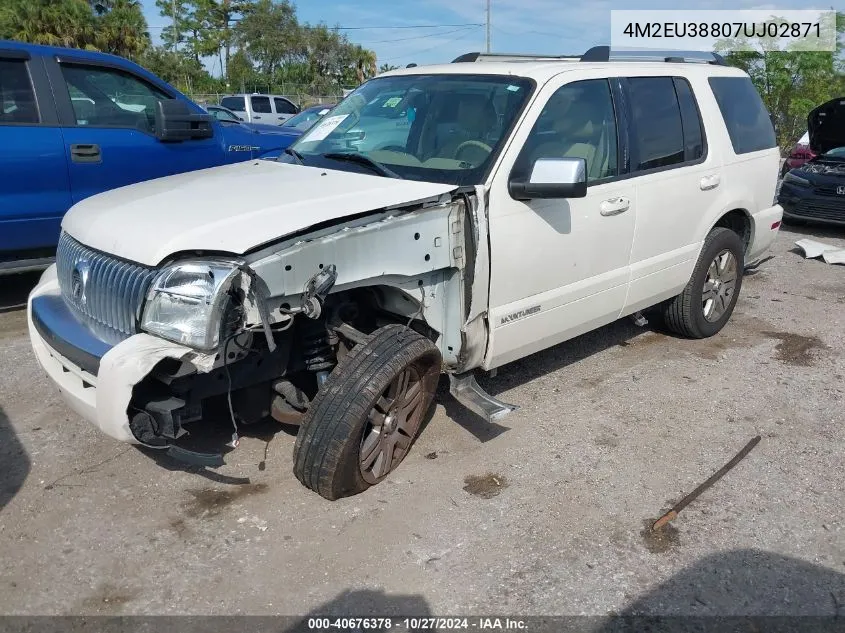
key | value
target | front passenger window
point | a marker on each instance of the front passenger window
(108, 97)
(577, 122)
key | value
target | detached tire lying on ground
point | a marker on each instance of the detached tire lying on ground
(708, 300)
(366, 416)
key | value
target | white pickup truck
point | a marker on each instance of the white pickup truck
(518, 204)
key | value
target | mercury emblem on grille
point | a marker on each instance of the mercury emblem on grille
(78, 281)
(840, 190)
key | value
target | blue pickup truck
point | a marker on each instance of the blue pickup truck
(74, 123)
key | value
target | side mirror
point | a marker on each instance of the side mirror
(552, 178)
(175, 121)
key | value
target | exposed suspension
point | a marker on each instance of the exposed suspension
(318, 348)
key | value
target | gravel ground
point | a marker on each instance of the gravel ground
(543, 515)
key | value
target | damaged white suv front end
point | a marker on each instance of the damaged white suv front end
(148, 342)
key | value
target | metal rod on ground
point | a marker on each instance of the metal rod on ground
(683, 503)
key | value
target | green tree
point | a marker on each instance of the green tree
(52, 22)
(386, 68)
(365, 62)
(270, 35)
(113, 26)
(180, 70)
(215, 19)
(792, 82)
(120, 28)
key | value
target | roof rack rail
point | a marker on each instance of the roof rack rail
(603, 54)
(512, 57)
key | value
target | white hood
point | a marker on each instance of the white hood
(230, 209)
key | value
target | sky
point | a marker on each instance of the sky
(546, 27)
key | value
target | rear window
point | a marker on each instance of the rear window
(261, 104)
(746, 118)
(17, 100)
(235, 104)
(658, 132)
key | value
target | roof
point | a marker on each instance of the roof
(40, 49)
(542, 71)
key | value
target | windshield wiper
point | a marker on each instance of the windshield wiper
(292, 152)
(361, 159)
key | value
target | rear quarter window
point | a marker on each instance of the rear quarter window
(745, 116)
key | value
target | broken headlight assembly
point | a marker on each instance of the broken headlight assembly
(188, 302)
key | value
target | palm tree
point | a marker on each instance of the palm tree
(121, 28)
(365, 63)
(54, 22)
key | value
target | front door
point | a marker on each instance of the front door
(34, 187)
(560, 268)
(108, 130)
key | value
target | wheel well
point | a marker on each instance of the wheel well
(739, 222)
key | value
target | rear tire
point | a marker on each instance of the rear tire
(364, 419)
(708, 300)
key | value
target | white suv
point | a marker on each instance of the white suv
(525, 203)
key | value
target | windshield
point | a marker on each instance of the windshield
(436, 128)
(836, 152)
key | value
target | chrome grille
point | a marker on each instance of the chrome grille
(105, 293)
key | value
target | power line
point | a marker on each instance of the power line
(415, 37)
(467, 31)
(404, 26)
(365, 28)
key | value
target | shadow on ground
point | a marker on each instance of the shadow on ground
(14, 462)
(14, 289)
(748, 582)
(366, 603)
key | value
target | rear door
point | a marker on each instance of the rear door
(261, 109)
(678, 180)
(284, 109)
(107, 114)
(34, 186)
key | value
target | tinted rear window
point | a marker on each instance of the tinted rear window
(745, 116)
(235, 104)
(658, 132)
(261, 104)
(17, 100)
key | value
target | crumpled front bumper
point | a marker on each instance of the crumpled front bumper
(94, 378)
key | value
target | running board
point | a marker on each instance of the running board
(467, 391)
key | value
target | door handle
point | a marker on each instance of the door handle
(614, 206)
(256, 117)
(85, 153)
(710, 182)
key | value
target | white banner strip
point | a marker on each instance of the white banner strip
(724, 31)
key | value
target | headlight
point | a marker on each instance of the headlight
(792, 179)
(188, 300)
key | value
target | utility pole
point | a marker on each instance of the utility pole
(175, 27)
(488, 26)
